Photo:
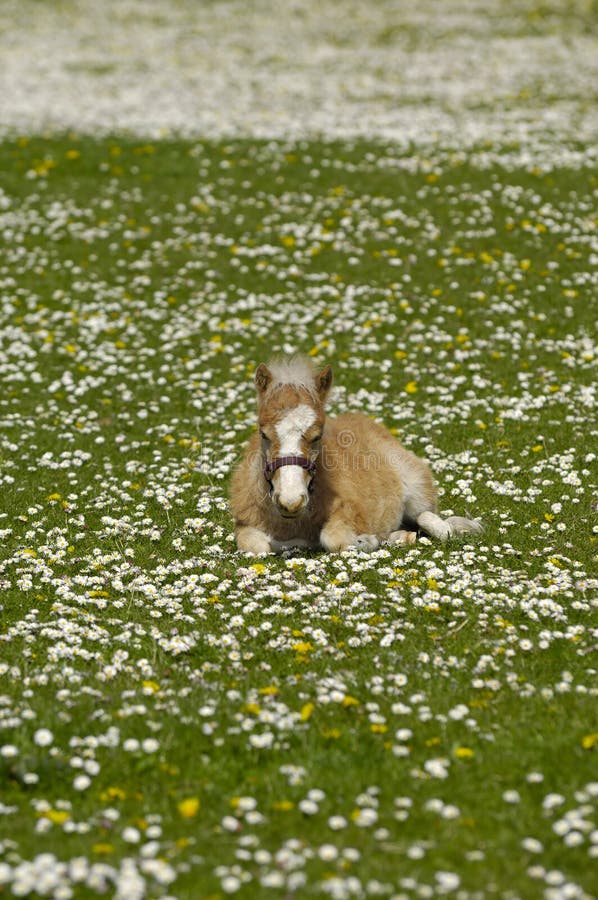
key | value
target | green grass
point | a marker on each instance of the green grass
(142, 284)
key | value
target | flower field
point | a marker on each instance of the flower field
(178, 720)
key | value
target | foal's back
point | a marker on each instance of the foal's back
(369, 470)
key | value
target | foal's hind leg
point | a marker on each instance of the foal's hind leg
(421, 505)
(443, 529)
(433, 525)
(459, 525)
(421, 498)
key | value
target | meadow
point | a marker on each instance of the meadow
(404, 190)
(179, 720)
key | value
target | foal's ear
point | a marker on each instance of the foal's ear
(263, 377)
(323, 382)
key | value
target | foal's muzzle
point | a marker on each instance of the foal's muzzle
(289, 510)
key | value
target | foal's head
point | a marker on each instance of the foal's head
(291, 417)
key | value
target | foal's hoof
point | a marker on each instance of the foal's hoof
(367, 542)
(402, 537)
(460, 525)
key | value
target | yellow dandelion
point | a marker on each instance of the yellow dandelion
(113, 793)
(306, 711)
(348, 700)
(57, 816)
(189, 807)
(463, 752)
(102, 849)
(283, 805)
(332, 734)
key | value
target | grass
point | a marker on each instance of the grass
(439, 701)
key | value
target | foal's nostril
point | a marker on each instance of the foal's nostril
(292, 507)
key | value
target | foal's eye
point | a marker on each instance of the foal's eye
(264, 437)
(315, 441)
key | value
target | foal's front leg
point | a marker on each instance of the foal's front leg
(253, 540)
(337, 534)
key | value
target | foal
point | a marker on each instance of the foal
(308, 481)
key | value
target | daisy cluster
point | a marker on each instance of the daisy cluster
(174, 714)
(417, 72)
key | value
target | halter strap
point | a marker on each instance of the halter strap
(274, 464)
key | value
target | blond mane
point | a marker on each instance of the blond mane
(296, 370)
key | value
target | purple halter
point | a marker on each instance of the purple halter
(280, 461)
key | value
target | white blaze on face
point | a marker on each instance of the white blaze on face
(290, 429)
